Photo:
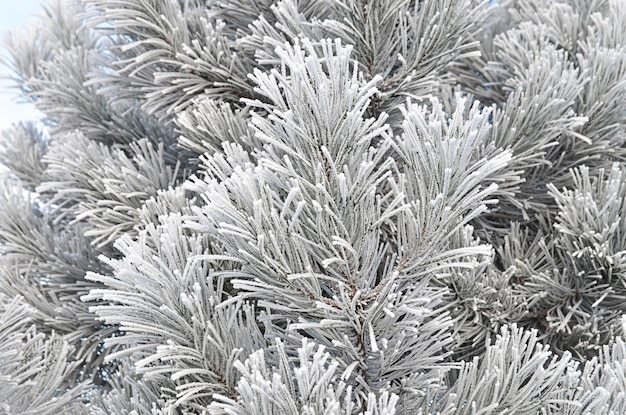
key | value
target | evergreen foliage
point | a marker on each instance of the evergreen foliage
(316, 207)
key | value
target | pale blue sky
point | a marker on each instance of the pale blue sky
(14, 13)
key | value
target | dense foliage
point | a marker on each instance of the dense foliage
(316, 207)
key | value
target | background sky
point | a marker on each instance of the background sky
(14, 14)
